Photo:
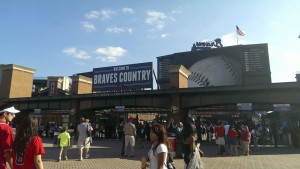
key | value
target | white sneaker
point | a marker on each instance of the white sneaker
(80, 159)
(87, 156)
(66, 157)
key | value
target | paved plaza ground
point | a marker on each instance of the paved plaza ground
(106, 154)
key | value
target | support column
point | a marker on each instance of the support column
(81, 85)
(15, 81)
(178, 79)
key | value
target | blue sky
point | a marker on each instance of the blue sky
(65, 37)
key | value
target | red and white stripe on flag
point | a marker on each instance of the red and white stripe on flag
(239, 32)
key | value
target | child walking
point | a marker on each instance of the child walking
(64, 142)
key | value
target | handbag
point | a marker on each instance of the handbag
(170, 164)
(196, 161)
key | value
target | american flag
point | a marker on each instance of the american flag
(239, 32)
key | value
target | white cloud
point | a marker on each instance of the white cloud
(110, 54)
(164, 35)
(130, 30)
(176, 11)
(106, 14)
(230, 40)
(92, 15)
(156, 19)
(284, 66)
(128, 10)
(119, 29)
(87, 26)
(172, 18)
(103, 14)
(79, 54)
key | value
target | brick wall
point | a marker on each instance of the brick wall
(16, 81)
(178, 76)
(81, 85)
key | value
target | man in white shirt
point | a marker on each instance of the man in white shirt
(84, 141)
(130, 133)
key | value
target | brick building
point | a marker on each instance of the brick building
(15, 81)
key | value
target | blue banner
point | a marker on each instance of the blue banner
(134, 76)
(244, 106)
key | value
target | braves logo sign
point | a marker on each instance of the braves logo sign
(207, 45)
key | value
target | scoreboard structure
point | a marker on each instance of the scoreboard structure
(224, 66)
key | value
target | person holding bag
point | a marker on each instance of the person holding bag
(191, 152)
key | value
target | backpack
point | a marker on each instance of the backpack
(88, 131)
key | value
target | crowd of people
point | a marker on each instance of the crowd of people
(25, 150)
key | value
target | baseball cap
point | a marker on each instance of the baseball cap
(10, 110)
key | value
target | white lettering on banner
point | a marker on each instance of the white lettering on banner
(105, 78)
(146, 73)
(130, 76)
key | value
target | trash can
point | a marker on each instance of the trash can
(172, 146)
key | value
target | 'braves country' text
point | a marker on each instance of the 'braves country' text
(129, 76)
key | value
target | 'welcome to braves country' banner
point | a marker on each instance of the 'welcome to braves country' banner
(134, 76)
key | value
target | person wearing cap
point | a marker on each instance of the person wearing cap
(7, 113)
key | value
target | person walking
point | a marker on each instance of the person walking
(220, 133)
(246, 138)
(188, 145)
(255, 133)
(7, 113)
(28, 147)
(157, 155)
(233, 140)
(130, 133)
(84, 141)
(64, 143)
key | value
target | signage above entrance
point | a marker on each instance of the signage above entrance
(120, 108)
(244, 106)
(134, 76)
(282, 107)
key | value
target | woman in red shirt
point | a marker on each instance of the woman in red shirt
(232, 137)
(28, 147)
(245, 137)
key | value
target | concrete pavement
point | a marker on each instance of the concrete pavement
(106, 154)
